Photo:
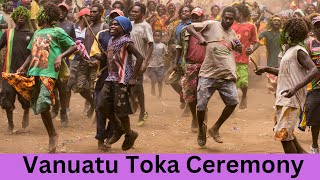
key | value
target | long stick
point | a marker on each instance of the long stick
(254, 63)
(92, 33)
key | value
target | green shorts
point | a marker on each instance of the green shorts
(242, 75)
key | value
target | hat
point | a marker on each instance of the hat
(315, 20)
(198, 11)
(118, 11)
(84, 11)
(64, 5)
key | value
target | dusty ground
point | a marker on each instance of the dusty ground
(248, 131)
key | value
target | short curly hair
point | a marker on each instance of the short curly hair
(181, 8)
(295, 31)
(243, 10)
(49, 13)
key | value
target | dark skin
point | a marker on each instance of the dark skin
(172, 15)
(243, 103)
(64, 13)
(45, 115)
(20, 25)
(137, 17)
(226, 22)
(306, 62)
(192, 105)
(157, 39)
(116, 31)
(275, 27)
(106, 4)
(95, 19)
(315, 129)
(215, 11)
(185, 16)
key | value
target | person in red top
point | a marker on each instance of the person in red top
(193, 55)
(247, 33)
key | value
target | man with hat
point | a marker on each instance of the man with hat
(61, 85)
(192, 55)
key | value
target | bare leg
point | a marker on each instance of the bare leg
(315, 135)
(214, 130)
(202, 139)
(299, 148)
(160, 89)
(10, 121)
(88, 96)
(53, 136)
(25, 119)
(289, 147)
(193, 109)
(153, 88)
(243, 103)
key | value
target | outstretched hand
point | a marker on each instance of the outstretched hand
(259, 71)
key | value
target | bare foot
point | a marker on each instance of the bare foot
(215, 135)
(25, 120)
(53, 142)
(153, 92)
(9, 131)
(101, 146)
(194, 126)
(243, 103)
(186, 111)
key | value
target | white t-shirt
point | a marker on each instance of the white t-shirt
(159, 50)
(141, 36)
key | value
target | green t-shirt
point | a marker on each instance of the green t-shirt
(272, 42)
(45, 46)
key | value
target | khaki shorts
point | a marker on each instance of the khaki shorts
(286, 119)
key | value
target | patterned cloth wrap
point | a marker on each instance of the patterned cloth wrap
(189, 82)
(40, 94)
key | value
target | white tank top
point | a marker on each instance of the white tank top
(290, 74)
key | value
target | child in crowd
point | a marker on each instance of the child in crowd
(156, 70)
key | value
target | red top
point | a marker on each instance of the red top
(196, 52)
(247, 33)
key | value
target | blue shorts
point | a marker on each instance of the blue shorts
(207, 86)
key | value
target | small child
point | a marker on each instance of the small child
(156, 70)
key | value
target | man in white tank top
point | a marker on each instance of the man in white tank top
(295, 72)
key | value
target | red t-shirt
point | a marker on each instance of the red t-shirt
(196, 53)
(247, 33)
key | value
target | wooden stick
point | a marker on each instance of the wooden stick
(254, 63)
(91, 31)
